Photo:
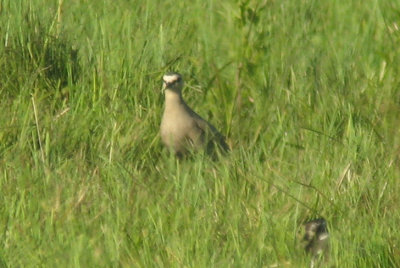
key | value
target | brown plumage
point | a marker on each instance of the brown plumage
(181, 128)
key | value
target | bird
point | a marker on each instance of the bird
(316, 239)
(183, 130)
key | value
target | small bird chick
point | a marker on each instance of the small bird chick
(181, 128)
(316, 238)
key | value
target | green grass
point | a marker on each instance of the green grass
(307, 93)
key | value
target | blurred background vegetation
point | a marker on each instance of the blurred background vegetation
(307, 93)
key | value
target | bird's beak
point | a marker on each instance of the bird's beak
(166, 85)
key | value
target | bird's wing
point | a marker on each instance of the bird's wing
(210, 131)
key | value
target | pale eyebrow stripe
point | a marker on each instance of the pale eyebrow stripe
(170, 78)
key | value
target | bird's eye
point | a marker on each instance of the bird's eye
(179, 79)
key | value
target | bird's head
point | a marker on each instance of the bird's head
(172, 81)
(315, 228)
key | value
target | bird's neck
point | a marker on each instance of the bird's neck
(172, 98)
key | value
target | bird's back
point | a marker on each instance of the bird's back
(211, 135)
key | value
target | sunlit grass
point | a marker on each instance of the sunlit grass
(307, 93)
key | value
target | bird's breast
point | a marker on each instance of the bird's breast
(175, 125)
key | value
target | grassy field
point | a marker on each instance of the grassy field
(307, 93)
